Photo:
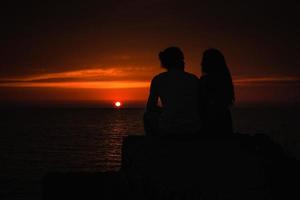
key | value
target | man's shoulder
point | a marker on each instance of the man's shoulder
(192, 76)
(159, 76)
(204, 79)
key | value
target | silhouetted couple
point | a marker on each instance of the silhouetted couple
(179, 103)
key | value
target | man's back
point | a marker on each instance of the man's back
(178, 91)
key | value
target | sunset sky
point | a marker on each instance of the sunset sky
(106, 51)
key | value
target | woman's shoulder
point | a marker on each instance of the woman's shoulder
(204, 82)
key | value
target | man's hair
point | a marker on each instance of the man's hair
(172, 58)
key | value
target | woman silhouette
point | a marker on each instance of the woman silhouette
(177, 91)
(216, 93)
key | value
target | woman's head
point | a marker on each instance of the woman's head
(213, 62)
(172, 58)
(214, 66)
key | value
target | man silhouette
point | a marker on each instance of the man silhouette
(177, 91)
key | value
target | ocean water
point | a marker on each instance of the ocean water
(35, 141)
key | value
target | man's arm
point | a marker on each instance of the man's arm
(152, 103)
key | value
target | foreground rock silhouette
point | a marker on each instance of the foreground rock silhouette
(239, 167)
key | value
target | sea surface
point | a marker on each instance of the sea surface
(35, 141)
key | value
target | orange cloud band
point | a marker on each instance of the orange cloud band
(274, 79)
(115, 77)
(81, 85)
(116, 73)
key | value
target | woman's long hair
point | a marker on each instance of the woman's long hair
(215, 68)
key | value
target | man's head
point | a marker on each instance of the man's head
(172, 58)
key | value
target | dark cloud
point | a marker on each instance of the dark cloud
(257, 37)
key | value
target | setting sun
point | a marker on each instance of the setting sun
(118, 104)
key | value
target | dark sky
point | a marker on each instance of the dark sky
(258, 38)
